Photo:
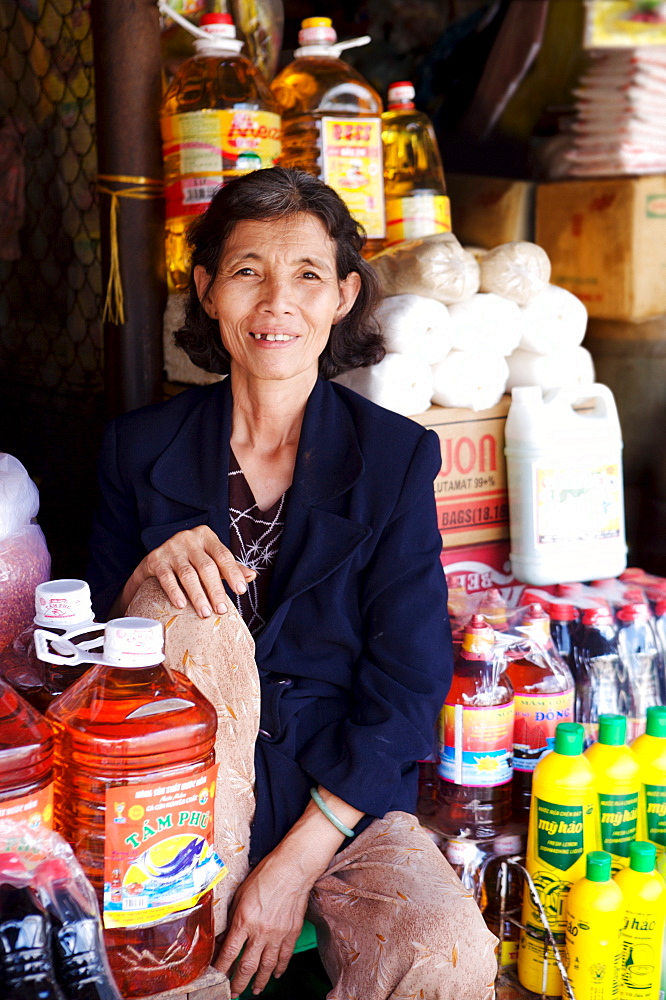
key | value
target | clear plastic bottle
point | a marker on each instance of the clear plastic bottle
(414, 185)
(332, 124)
(602, 681)
(26, 762)
(544, 697)
(476, 739)
(563, 629)
(134, 794)
(642, 659)
(218, 121)
(61, 606)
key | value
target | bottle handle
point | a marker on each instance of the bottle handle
(568, 395)
(70, 654)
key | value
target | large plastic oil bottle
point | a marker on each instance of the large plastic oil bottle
(414, 185)
(218, 121)
(594, 921)
(135, 779)
(643, 931)
(26, 762)
(564, 472)
(544, 697)
(332, 124)
(618, 782)
(650, 749)
(562, 830)
(476, 739)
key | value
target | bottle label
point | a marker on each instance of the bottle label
(419, 215)
(352, 164)
(508, 955)
(476, 744)
(578, 504)
(559, 834)
(641, 952)
(159, 855)
(655, 814)
(35, 810)
(618, 815)
(537, 717)
(208, 148)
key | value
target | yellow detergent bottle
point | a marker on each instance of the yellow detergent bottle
(643, 932)
(562, 830)
(618, 783)
(594, 922)
(650, 748)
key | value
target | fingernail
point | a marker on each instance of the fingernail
(241, 588)
(221, 609)
(205, 611)
(179, 602)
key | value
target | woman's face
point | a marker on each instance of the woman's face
(276, 296)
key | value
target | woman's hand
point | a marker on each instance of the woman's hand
(265, 920)
(191, 564)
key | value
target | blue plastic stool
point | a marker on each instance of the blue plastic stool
(307, 940)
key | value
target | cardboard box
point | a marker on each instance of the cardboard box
(487, 211)
(606, 239)
(470, 490)
(472, 569)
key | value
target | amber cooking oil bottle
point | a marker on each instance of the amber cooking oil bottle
(332, 124)
(414, 185)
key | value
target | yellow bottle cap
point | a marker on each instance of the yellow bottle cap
(317, 22)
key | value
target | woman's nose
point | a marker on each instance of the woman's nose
(277, 296)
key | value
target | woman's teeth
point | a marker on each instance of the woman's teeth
(272, 336)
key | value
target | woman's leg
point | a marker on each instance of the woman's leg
(394, 921)
(217, 653)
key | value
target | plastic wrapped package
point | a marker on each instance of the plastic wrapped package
(518, 271)
(398, 383)
(24, 557)
(435, 266)
(472, 380)
(486, 323)
(417, 326)
(51, 942)
(570, 367)
(553, 321)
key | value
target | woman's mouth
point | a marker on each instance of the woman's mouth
(272, 336)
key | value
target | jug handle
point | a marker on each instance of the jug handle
(568, 395)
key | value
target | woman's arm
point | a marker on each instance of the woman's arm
(269, 907)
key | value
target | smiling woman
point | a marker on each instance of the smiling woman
(312, 511)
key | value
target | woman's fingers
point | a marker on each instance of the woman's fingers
(254, 962)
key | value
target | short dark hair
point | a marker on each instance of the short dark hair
(275, 193)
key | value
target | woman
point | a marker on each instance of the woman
(314, 508)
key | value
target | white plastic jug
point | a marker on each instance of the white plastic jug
(564, 469)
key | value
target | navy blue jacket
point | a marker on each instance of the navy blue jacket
(355, 657)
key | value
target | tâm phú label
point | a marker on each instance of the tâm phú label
(537, 717)
(159, 854)
(206, 148)
(36, 810)
(476, 744)
(353, 164)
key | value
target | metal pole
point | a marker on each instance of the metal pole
(128, 88)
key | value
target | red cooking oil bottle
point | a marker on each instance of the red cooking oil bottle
(26, 762)
(544, 696)
(476, 739)
(134, 791)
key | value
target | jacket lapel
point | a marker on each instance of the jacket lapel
(316, 541)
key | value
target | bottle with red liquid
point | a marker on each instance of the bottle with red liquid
(563, 629)
(476, 739)
(134, 796)
(544, 696)
(602, 681)
(61, 606)
(639, 652)
(26, 761)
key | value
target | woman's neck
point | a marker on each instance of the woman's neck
(267, 415)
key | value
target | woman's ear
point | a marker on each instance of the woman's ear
(202, 282)
(349, 289)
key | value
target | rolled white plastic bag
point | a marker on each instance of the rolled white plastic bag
(416, 326)
(435, 266)
(571, 367)
(553, 321)
(472, 381)
(517, 271)
(486, 323)
(398, 383)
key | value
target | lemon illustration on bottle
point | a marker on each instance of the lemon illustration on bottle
(562, 830)
(618, 784)
(594, 921)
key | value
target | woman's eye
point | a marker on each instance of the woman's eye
(245, 270)
(310, 274)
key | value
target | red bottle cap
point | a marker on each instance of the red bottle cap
(562, 612)
(632, 573)
(660, 607)
(216, 19)
(602, 583)
(633, 612)
(598, 616)
(478, 639)
(401, 94)
(568, 589)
